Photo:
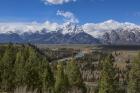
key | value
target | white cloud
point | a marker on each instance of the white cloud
(92, 29)
(56, 2)
(35, 26)
(27, 27)
(98, 29)
(51, 26)
(68, 16)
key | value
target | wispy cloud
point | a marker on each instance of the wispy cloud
(57, 2)
(68, 16)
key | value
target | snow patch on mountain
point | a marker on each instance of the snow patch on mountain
(71, 28)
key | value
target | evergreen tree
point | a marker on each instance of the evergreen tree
(134, 77)
(74, 76)
(61, 84)
(107, 82)
(47, 77)
(32, 68)
(19, 69)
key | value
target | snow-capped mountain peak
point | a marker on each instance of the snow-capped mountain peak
(71, 28)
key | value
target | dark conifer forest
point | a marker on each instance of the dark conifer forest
(30, 69)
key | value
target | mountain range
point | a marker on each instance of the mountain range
(108, 32)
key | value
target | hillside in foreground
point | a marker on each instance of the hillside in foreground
(30, 69)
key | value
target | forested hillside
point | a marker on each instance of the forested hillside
(24, 66)
(27, 69)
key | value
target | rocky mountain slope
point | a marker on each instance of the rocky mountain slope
(108, 32)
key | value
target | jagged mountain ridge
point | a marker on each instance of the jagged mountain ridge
(122, 33)
(68, 34)
(121, 36)
(108, 32)
(49, 38)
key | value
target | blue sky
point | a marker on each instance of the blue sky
(83, 10)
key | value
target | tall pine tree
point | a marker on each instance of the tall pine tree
(107, 82)
(32, 68)
(75, 77)
(61, 84)
(134, 77)
(19, 68)
(47, 77)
